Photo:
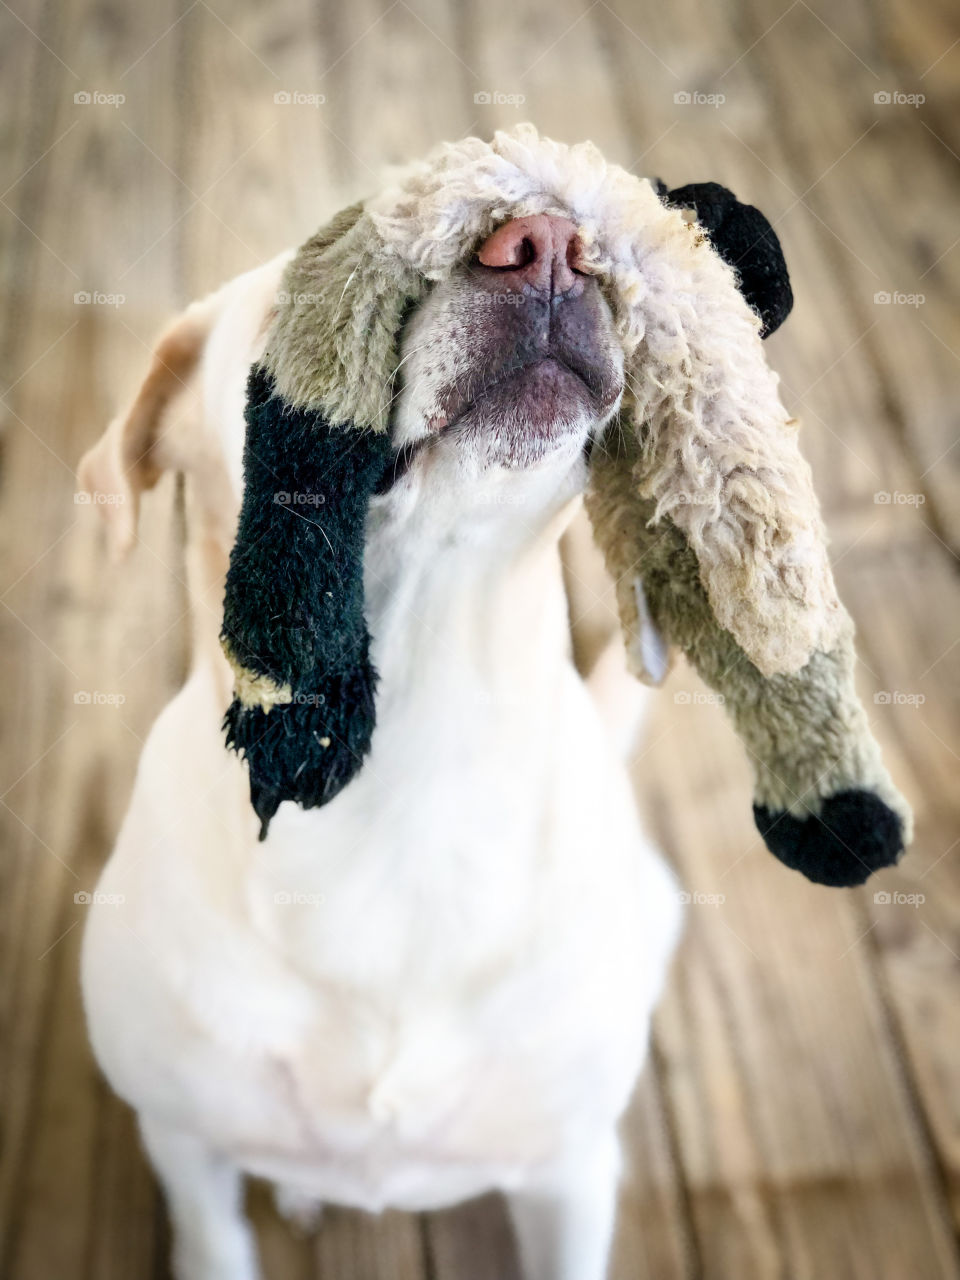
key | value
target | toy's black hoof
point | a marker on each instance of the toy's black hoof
(854, 835)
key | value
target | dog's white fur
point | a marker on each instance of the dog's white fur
(441, 982)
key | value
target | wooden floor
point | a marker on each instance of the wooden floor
(801, 1115)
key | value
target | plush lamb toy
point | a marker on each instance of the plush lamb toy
(699, 496)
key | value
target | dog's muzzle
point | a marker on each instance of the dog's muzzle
(541, 355)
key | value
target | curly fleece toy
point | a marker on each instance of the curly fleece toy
(701, 501)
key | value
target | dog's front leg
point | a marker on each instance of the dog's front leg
(564, 1222)
(211, 1237)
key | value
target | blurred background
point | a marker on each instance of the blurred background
(801, 1113)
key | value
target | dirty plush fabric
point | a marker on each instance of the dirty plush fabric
(705, 489)
(823, 801)
(293, 626)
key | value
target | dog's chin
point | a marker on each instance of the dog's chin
(537, 412)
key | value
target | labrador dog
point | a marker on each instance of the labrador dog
(441, 982)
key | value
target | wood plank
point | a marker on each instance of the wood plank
(475, 1240)
(25, 135)
(255, 177)
(655, 1238)
(553, 62)
(808, 1148)
(286, 1252)
(387, 1246)
(58, 636)
(881, 242)
(409, 54)
(913, 352)
(915, 655)
(922, 44)
(127, 1232)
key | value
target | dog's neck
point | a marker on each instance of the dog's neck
(468, 617)
(466, 568)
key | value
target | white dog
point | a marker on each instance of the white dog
(441, 982)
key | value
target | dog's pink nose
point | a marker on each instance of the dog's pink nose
(541, 250)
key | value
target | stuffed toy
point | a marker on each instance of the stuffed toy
(698, 495)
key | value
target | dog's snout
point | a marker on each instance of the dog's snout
(542, 251)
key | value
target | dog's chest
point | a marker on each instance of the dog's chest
(399, 1110)
(456, 943)
(455, 1075)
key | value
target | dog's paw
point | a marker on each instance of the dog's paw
(302, 1211)
(853, 835)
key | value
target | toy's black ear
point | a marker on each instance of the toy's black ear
(746, 242)
(294, 629)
